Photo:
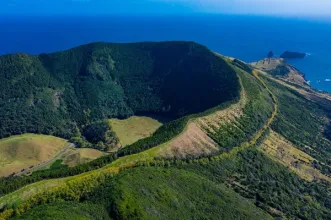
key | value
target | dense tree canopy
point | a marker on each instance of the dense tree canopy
(63, 92)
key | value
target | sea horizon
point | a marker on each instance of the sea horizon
(246, 37)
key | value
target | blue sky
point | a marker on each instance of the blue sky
(275, 7)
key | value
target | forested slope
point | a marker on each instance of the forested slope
(62, 92)
(271, 161)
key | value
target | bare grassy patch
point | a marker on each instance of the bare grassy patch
(283, 151)
(193, 142)
(214, 121)
(134, 128)
(75, 157)
(25, 151)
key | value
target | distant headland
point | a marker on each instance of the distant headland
(292, 55)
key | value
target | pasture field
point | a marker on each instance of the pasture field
(27, 150)
(74, 157)
(134, 128)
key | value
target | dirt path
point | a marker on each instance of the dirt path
(274, 112)
(39, 166)
(258, 134)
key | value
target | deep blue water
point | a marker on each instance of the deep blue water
(246, 37)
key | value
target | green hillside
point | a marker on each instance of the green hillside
(67, 211)
(261, 150)
(61, 93)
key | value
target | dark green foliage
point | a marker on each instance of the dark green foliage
(257, 111)
(80, 142)
(168, 131)
(303, 122)
(214, 187)
(160, 193)
(209, 188)
(260, 140)
(270, 185)
(26, 99)
(280, 70)
(80, 82)
(327, 132)
(57, 165)
(201, 189)
(324, 168)
(66, 211)
(162, 135)
(242, 65)
(11, 183)
(60, 93)
(101, 136)
(96, 132)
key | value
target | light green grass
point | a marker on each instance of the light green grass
(27, 150)
(134, 128)
(26, 192)
(66, 211)
(74, 157)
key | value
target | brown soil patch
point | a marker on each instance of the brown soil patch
(213, 122)
(193, 142)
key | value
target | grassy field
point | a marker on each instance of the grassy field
(24, 151)
(74, 157)
(134, 128)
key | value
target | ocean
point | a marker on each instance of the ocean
(248, 38)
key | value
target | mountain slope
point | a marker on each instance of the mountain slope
(264, 154)
(252, 86)
(59, 93)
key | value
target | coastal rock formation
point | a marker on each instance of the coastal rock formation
(279, 68)
(292, 55)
